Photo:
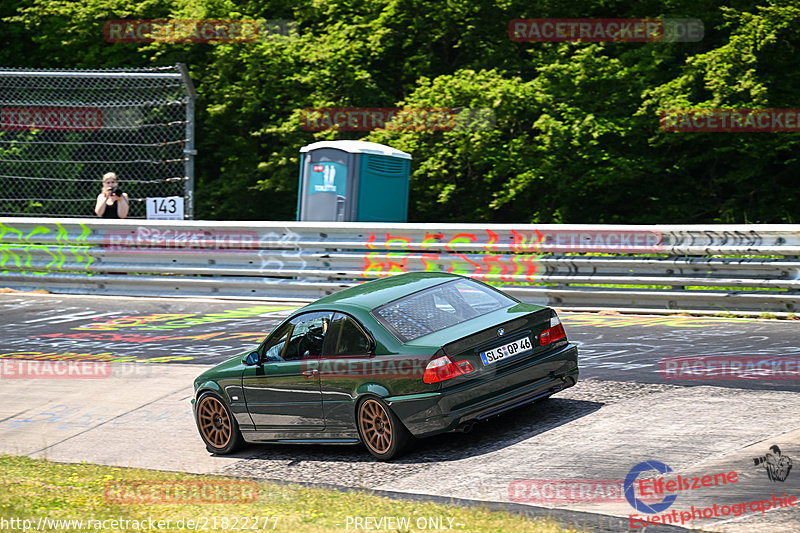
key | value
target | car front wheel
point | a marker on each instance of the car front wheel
(217, 426)
(381, 431)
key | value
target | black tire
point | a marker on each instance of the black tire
(382, 433)
(216, 425)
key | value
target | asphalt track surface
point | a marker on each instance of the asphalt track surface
(633, 348)
(624, 410)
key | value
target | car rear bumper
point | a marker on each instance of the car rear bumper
(478, 399)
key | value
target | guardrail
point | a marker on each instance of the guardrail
(719, 268)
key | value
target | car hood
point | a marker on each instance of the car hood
(229, 367)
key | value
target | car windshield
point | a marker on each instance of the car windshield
(440, 307)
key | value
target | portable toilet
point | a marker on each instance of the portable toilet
(353, 181)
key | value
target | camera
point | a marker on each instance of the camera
(116, 191)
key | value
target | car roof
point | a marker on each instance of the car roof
(375, 293)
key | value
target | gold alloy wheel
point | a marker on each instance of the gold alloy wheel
(214, 422)
(376, 427)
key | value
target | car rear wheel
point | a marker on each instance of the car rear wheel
(217, 426)
(381, 431)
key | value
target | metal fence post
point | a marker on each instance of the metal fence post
(189, 150)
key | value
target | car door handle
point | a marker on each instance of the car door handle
(310, 373)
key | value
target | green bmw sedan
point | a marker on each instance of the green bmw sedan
(385, 362)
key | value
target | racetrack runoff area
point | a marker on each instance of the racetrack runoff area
(139, 415)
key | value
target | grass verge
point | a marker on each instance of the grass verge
(37, 490)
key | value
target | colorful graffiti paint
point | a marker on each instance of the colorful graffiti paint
(611, 321)
(508, 258)
(405, 255)
(489, 267)
(84, 335)
(18, 250)
(98, 357)
(535, 241)
(255, 336)
(171, 321)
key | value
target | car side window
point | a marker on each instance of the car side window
(306, 335)
(273, 351)
(345, 337)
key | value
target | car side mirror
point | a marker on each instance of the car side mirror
(251, 359)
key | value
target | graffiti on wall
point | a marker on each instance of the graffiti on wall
(280, 252)
(534, 241)
(707, 238)
(18, 249)
(507, 256)
(276, 251)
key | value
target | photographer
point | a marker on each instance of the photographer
(111, 202)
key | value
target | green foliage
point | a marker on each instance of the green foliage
(576, 138)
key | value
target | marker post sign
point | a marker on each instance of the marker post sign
(165, 208)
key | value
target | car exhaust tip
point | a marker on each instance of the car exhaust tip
(567, 382)
(466, 427)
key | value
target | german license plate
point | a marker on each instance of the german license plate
(507, 350)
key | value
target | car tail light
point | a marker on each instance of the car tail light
(554, 333)
(443, 368)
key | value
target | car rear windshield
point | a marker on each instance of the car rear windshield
(440, 307)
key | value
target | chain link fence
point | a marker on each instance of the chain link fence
(60, 131)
